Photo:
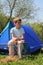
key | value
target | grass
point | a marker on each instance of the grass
(28, 59)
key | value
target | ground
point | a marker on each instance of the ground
(28, 59)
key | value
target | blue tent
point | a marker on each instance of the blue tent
(32, 41)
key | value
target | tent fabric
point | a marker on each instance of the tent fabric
(32, 41)
(4, 29)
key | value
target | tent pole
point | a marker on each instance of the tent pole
(9, 31)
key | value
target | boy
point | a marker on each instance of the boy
(17, 38)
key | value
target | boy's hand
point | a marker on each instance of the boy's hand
(22, 37)
(15, 39)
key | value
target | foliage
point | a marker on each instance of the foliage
(38, 29)
(3, 21)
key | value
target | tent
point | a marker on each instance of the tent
(32, 41)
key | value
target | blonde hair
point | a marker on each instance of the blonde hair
(15, 20)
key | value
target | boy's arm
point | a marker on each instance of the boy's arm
(22, 32)
(22, 37)
(14, 38)
(13, 35)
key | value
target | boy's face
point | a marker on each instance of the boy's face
(18, 24)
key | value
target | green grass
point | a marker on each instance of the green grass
(27, 60)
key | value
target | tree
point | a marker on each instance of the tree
(1, 8)
(21, 8)
(1, 11)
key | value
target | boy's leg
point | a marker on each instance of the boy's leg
(20, 48)
(11, 48)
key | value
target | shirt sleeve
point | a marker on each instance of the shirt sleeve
(12, 31)
(23, 32)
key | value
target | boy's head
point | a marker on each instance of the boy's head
(17, 22)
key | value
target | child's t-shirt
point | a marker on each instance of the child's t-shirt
(17, 32)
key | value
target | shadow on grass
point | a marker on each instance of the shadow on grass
(3, 52)
(32, 56)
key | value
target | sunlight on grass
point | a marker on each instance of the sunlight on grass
(27, 60)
